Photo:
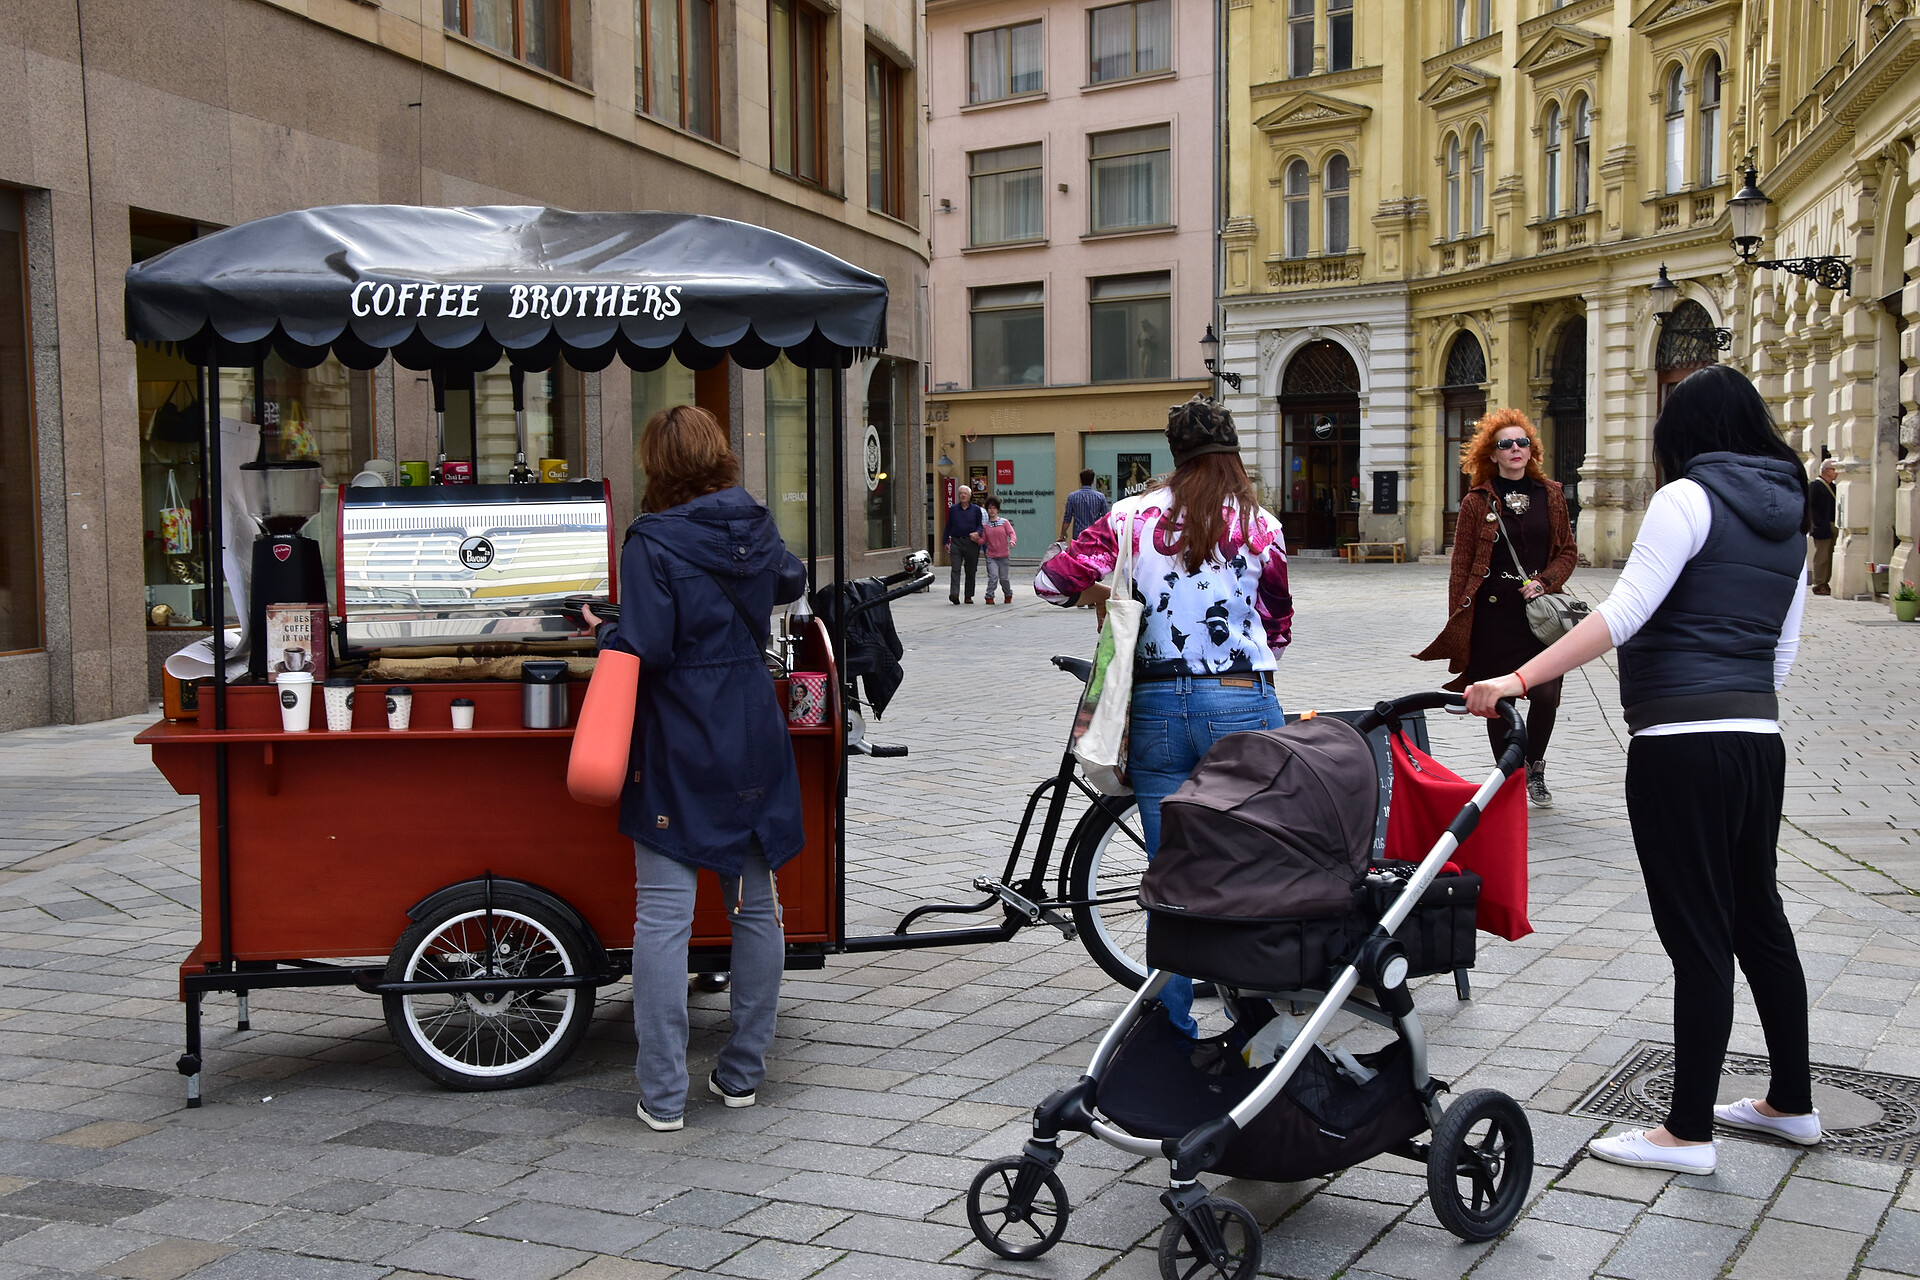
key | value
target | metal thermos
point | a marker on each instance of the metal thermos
(543, 695)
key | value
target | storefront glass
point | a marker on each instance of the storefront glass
(663, 388)
(885, 449)
(1018, 470)
(20, 609)
(1125, 462)
(786, 409)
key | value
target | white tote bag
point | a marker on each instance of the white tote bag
(1100, 726)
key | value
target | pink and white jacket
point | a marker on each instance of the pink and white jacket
(1236, 614)
(998, 539)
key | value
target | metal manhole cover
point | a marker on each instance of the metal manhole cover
(1863, 1113)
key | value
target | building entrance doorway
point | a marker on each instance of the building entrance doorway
(1567, 406)
(1319, 497)
(1681, 349)
(1463, 402)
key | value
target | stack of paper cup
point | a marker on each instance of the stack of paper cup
(296, 700)
(339, 695)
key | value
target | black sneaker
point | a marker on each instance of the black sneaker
(1537, 785)
(725, 1095)
(710, 983)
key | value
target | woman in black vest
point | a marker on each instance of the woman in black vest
(1707, 618)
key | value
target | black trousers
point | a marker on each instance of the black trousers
(965, 554)
(1705, 809)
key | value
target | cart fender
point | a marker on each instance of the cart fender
(596, 958)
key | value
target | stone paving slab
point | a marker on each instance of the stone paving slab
(321, 1156)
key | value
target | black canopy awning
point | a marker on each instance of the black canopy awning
(460, 288)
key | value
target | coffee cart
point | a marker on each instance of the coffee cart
(448, 870)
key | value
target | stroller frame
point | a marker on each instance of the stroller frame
(1027, 1191)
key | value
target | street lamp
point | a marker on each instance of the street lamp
(1666, 296)
(1210, 347)
(1749, 209)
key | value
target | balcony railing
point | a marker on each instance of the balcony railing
(1314, 273)
(1465, 253)
(1569, 231)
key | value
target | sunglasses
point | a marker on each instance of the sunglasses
(1518, 442)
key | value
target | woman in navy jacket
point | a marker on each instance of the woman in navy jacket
(714, 784)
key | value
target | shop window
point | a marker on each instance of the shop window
(885, 449)
(1710, 121)
(1131, 179)
(1003, 195)
(886, 136)
(1009, 336)
(1550, 206)
(1130, 318)
(1295, 198)
(1676, 131)
(677, 74)
(786, 421)
(20, 579)
(797, 51)
(534, 31)
(1003, 62)
(1338, 181)
(653, 390)
(1130, 40)
(1582, 154)
(1339, 35)
(1299, 37)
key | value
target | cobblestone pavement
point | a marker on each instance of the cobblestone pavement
(321, 1156)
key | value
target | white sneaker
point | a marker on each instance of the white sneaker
(727, 1097)
(1634, 1149)
(655, 1123)
(1804, 1130)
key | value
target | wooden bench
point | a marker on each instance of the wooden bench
(1375, 552)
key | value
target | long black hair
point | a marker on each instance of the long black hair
(1717, 410)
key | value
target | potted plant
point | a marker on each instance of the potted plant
(1906, 602)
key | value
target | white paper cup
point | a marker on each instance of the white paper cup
(399, 706)
(339, 705)
(296, 700)
(463, 713)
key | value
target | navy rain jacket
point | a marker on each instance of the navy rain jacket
(712, 762)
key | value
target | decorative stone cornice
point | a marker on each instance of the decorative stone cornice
(1533, 27)
(1308, 84)
(1562, 48)
(1473, 50)
(1460, 84)
(1659, 15)
(1312, 113)
(1884, 65)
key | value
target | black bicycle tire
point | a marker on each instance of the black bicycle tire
(1084, 851)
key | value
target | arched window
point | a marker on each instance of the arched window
(1296, 199)
(1710, 121)
(1582, 154)
(1339, 177)
(1471, 20)
(1460, 30)
(1550, 207)
(1453, 186)
(1676, 108)
(1477, 192)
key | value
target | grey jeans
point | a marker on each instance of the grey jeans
(662, 927)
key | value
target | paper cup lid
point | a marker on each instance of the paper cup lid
(295, 677)
(400, 688)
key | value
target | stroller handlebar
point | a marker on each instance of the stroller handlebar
(1513, 751)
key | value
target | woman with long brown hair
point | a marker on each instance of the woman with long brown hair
(1210, 566)
(714, 785)
(1511, 510)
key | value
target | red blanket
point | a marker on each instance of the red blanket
(1426, 796)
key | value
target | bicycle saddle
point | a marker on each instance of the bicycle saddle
(1079, 668)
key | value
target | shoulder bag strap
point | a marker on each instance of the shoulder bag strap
(1494, 507)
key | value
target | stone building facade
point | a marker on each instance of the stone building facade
(134, 125)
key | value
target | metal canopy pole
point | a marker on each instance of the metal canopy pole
(217, 616)
(813, 478)
(837, 621)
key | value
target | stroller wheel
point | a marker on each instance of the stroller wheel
(1480, 1165)
(1017, 1208)
(1237, 1237)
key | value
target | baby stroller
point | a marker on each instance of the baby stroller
(1265, 886)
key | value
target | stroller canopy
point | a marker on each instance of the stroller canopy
(1274, 825)
(459, 288)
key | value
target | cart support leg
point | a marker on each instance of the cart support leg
(189, 1062)
(246, 1020)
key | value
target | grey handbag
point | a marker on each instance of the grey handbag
(1551, 614)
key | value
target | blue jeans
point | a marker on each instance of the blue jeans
(1171, 725)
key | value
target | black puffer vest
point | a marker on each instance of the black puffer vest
(1707, 651)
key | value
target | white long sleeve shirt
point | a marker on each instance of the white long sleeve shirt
(1675, 529)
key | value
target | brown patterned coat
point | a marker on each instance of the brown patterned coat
(1473, 543)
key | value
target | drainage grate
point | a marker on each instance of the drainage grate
(1864, 1113)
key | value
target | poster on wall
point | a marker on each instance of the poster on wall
(1135, 472)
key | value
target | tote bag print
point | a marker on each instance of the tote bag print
(176, 522)
(1100, 727)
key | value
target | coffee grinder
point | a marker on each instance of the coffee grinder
(286, 566)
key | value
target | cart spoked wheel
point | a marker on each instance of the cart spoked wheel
(489, 1040)
(1017, 1207)
(1234, 1254)
(1480, 1165)
(1103, 879)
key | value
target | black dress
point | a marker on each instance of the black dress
(1501, 639)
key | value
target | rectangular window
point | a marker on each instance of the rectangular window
(534, 31)
(1003, 62)
(1129, 320)
(1130, 40)
(1131, 178)
(786, 414)
(1009, 336)
(1339, 35)
(1299, 37)
(20, 604)
(797, 50)
(1003, 195)
(886, 136)
(676, 77)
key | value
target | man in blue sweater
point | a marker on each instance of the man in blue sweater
(962, 538)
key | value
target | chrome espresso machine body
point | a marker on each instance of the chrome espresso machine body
(450, 566)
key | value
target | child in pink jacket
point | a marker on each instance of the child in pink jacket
(997, 540)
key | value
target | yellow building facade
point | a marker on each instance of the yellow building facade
(1435, 209)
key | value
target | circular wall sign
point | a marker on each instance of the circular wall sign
(871, 448)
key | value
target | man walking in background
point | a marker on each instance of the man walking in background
(1084, 506)
(1824, 506)
(964, 521)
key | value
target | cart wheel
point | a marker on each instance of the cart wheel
(1109, 857)
(1182, 1259)
(473, 1041)
(1017, 1208)
(1480, 1165)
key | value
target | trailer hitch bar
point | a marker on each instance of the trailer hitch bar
(1022, 905)
(486, 986)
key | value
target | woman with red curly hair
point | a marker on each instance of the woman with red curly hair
(1510, 509)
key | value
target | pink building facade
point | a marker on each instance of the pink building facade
(1072, 180)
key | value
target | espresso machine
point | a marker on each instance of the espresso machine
(286, 565)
